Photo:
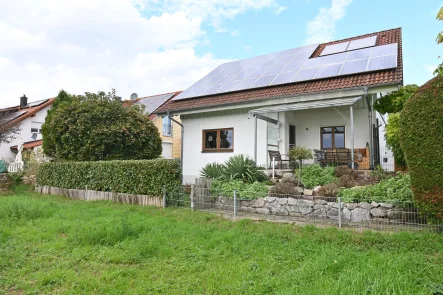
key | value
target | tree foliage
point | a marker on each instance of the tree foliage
(439, 40)
(394, 101)
(421, 135)
(95, 126)
(392, 137)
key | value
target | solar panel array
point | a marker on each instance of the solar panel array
(152, 103)
(349, 45)
(9, 116)
(291, 66)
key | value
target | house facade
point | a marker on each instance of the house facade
(169, 128)
(319, 96)
(30, 117)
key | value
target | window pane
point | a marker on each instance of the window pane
(339, 140)
(211, 139)
(326, 130)
(339, 129)
(226, 139)
(327, 141)
(166, 128)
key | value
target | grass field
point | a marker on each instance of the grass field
(52, 245)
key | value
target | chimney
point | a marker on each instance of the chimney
(23, 101)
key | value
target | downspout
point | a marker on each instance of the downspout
(371, 136)
(181, 139)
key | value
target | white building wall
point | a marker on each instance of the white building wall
(25, 134)
(307, 122)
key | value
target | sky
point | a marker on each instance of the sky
(151, 46)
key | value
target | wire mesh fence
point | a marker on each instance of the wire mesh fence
(389, 215)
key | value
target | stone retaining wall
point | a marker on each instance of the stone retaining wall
(320, 209)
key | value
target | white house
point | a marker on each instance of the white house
(318, 96)
(30, 117)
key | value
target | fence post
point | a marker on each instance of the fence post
(192, 197)
(235, 204)
(164, 197)
(339, 212)
(86, 193)
(273, 167)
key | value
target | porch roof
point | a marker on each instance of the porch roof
(304, 105)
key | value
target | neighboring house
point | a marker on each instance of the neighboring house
(30, 117)
(170, 131)
(319, 96)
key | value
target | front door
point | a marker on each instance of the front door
(291, 136)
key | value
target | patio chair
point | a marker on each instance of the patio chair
(278, 159)
(320, 157)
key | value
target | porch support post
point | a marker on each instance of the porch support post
(351, 111)
(255, 139)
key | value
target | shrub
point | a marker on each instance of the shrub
(244, 190)
(284, 188)
(314, 175)
(15, 177)
(329, 190)
(146, 177)
(212, 171)
(242, 167)
(421, 127)
(394, 189)
(379, 174)
(300, 153)
(346, 180)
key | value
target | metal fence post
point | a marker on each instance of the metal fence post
(164, 197)
(192, 197)
(273, 167)
(339, 212)
(235, 204)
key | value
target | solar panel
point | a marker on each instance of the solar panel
(335, 48)
(6, 116)
(362, 43)
(292, 65)
(152, 103)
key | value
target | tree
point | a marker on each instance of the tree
(439, 40)
(392, 104)
(421, 136)
(95, 126)
(300, 153)
(8, 130)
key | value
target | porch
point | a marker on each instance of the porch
(340, 131)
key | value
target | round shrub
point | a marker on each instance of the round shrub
(329, 190)
(343, 170)
(283, 188)
(421, 134)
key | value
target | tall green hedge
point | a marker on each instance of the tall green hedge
(143, 177)
(421, 137)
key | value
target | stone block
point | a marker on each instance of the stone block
(299, 190)
(364, 205)
(264, 211)
(308, 192)
(377, 212)
(305, 203)
(320, 202)
(386, 205)
(259, 203)
(332, 212)
(305, 210)
(292, 201)
(282, 201)
(351, 206)
(347, 213)
(270, 199)
(316, 207)
(360, 214)
(374, 204)
(295, 214)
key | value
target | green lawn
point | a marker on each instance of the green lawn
(52, 245)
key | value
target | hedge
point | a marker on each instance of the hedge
(421, 137)
(142, 177)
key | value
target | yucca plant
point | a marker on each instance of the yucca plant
(242, 167)
(212, 171)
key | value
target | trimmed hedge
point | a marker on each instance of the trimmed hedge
(421, 136)
(139, 177)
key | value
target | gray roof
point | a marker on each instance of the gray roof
(154, 102)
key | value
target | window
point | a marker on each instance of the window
(218, 140)
(167, 126)
(332, 137)
(34, 130)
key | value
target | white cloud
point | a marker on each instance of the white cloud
(322, 28)
(430, 68)
(139, 46)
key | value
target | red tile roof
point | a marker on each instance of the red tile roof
(390, 76)
(28, 111)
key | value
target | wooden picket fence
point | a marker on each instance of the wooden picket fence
(91, 195)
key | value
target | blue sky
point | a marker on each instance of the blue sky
(153, 46)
